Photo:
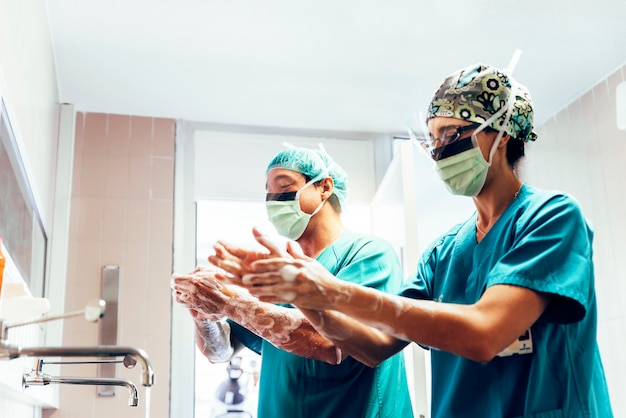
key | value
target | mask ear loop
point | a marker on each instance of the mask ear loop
(323, 149)
(510, 105)
(503, 128)
(509, 111)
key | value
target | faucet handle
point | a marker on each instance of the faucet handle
(129, 361)
(94, 310)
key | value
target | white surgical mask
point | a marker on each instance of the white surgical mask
(287, 216)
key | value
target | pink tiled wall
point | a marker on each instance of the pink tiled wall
(580, 150)
(121, 214)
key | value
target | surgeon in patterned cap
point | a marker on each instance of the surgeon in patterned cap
(515, 279)
(505, 299)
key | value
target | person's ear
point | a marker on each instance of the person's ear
(328, 186)
(504, 140)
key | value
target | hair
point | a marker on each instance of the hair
(514, 152)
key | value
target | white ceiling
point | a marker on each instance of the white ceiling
(365, 66)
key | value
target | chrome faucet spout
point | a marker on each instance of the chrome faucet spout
(42, 379)
(147, 374)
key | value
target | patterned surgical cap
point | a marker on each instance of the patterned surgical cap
(477, 92)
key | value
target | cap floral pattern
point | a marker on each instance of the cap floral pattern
(477, 92)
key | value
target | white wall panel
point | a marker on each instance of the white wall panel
(29, 89)
(236, 163)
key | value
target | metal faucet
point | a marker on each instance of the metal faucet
(37, 378)
(147, 374)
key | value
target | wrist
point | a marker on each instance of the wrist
(213, 339)
(207, 318)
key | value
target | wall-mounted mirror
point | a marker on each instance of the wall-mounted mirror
(21, 227)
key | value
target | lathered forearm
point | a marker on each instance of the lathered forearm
(213, 340)
(404, 318)
(353, 338)
(285, 328)
(478, 331)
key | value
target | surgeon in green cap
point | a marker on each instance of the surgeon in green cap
(505, 300)
(303, 374)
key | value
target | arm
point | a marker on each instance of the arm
(212, 333)
(285, 328)
(214, 339)
(353, 338)
(361, 342)
(477, 331)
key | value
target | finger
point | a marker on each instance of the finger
(215, 286)
(221, 251)
(183, 289)
(180, 298)
(277, 294)
(224, 260)
(270, 264)
(228, 265)
(231, 251)
(183, 285)
(204, 269)
(272, 299)
(265, 240)
(207, 281)
(281, 279)
(229, 278)
(183, 299)
(294, 250)
(203, 273)
(261, 279)
(178, 278)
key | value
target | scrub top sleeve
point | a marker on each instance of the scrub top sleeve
(246, 337)
(419, 286)
(551, 253)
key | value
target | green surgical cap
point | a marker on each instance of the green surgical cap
(315, 164)
(476, 92)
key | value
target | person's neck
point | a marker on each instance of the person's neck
(495, 198)
(319, 236)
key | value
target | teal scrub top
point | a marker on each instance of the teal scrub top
(541, 242)
(296, 387)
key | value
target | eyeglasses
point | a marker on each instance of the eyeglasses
(449, 143)
(452, 134)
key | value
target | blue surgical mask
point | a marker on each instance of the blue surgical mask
(284, 212)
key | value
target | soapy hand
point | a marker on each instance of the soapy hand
(295, 279)
(234, 262)
(201, 292)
